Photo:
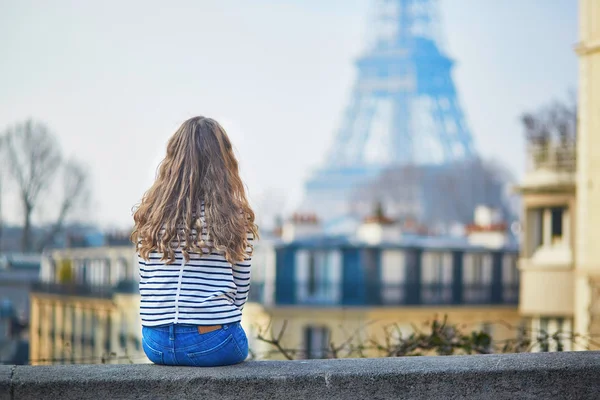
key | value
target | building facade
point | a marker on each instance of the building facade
(85, 309)
(323, 290)
(547, 262)
(560, 258)
(18, 272)
(587, 251)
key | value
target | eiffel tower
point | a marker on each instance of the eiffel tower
(403, 109)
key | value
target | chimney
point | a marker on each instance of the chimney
(301, 226)
(488, 229)
(379, 228)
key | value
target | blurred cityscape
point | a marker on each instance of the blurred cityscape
(407, 241)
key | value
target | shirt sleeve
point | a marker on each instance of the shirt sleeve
(241, 278)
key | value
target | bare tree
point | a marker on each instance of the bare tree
(556, 122)
(34, 161)
(455, 191)
(551, 135)
(34, 158)
(438, 195)
(75, 192)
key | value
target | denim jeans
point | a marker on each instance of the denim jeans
(183, 345)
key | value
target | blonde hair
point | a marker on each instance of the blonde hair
(200, 168)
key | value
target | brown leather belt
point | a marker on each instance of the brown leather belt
(207, 329)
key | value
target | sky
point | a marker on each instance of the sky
(114, 79)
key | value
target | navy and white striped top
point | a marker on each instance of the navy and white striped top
(206, 290)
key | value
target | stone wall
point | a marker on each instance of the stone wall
(516, 376)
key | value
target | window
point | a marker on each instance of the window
(315, 276)
(316, 342)
(436, 278)
(83, 326)
(123, 332)
(51, 270)
(559, 333)
(83, 279)
(94, 328)
(72, 337)
(543, 336)
(554, 334)
(547, 226)
(393, 277)
(318, 276)
(121, 271)
(108, 335)
(536, 228)
(477, 278)
(510, 278)
(556, 219)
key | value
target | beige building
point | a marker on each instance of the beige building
(547, 248)
(85, 309)
(587, 249)
(560, 256)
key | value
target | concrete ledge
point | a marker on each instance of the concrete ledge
(517, 376)
(6, 372)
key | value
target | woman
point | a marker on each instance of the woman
(194, 230)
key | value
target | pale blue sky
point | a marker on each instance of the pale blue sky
(114, 79)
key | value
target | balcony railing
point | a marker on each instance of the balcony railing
(127, 287)
(86, 290)
(552, 156)
(510, 293)
(386, 294)
(477, 293)
(436, 293)
(73, 289)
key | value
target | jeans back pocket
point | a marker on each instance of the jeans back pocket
(226, 352)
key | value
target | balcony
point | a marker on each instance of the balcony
(85, 290)
(550, 165)
(385, 294)
(552, 157)
(73, 289)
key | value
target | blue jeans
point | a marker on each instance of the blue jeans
(183, 345)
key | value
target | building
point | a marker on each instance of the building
(85, 309)
(587, 252)
(547, 250)
(18, 272)
(560, 258)
(323, 289)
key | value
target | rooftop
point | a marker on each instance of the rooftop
(432, 243)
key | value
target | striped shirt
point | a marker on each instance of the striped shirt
(206, 290)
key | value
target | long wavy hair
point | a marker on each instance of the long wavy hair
(200, 168)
